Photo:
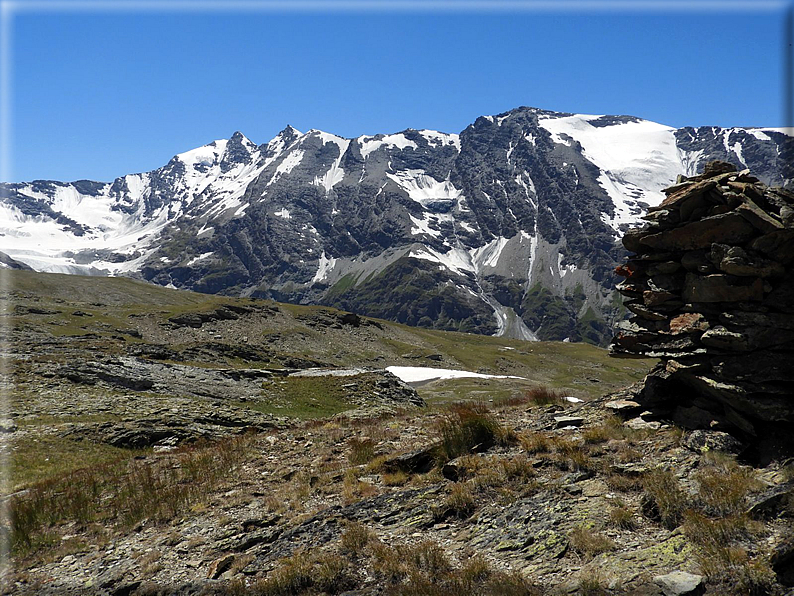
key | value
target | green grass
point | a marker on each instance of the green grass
(44, 456)
(305, 398)
(578, 369)
(560, 365)
(345, 283)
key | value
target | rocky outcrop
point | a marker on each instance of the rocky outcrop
(711, 291)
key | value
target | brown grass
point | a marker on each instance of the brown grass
(123, 493)
(304, 573)
(360, 450)
(723, 485)
(620, 516)
(589, 543)
(665, 496)
(460, 501)
(622, 483)
(468, 427)
(543, 396)
(535, 442)
(356, 537)
(572, 455)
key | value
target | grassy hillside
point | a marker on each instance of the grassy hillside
(84, 352)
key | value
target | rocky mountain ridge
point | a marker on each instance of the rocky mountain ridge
(509, 228)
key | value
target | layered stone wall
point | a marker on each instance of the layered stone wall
(711, 291)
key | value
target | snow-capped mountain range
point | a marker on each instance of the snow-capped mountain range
(510, 227)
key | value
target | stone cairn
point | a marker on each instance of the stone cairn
(711, 289)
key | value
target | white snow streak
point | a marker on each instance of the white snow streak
(422, 227)
(324, 267)
(423, 374)
(199, 258)
(335, 174)
(423, 188)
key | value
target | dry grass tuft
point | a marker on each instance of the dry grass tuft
(585, 541)
(356, 537)
(360, 450)
(460, 501)
(468, 427)
(592, 586)
(535, 442)
(304, 573)
(543, 396)
(622, 517)
(425, 570)
(610, 428)
(664, 498)
(395, 478)
(573, 456)
(723, 485)
(623, 484)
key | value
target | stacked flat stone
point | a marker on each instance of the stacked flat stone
(711, 290)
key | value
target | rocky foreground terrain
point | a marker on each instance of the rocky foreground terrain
(167, 442)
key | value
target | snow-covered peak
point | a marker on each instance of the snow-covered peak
(398, 140)
(205, 156)
(638, 158)
(327, 137)
(239, 139)
(439, 139)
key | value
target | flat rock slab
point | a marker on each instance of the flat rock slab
(729, 228)
(563, 421)
(680, 583)
(622, 406)
(640, 424)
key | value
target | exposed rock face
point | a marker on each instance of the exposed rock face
(712, 294)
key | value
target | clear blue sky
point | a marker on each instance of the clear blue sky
(101, 94)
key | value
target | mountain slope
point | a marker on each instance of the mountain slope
(508, 228)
